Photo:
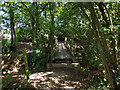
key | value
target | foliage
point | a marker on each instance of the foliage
(93, 43)
(5, 46)
(39, 58)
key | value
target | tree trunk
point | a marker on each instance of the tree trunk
(108, 21)
(33, 30)
(112, 53)
(101, 7)
(101, 42)
(14, 37)
(11, 24)
(33, 25)
(13, 33)
(52, 28)
(118, 44)
(119, 50)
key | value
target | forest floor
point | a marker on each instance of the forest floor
(59, 76)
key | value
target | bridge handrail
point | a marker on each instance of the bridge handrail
(53, 51)
(69, 47)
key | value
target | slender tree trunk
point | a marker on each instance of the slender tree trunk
(101, 7)
(52, 28)
(14, 37)
(33, 30)
(33, 25)
(109, 22)
(36, 17)
(113, 56)
(118, 44)
(102, 46)
(11, 24)
(37, 26)
(119, 50)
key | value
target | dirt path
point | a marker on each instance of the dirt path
(60, 76)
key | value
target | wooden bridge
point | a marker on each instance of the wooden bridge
(62, 54)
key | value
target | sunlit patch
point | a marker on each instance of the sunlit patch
(47, 82)
(69, 88)
(9, 72)
(17, 61)
(4, 72)
(15, 70)
(55, 79)
(2, 62)
(37, 51)
(75, 64)
(18, 76)
(4, 66)
(65, 76)
(40, 75)
(64, 63)
(28, 51)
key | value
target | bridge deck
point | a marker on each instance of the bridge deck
(62, 53)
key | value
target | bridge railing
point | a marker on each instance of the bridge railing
(53, 50)
(74, 49)
(69, 45)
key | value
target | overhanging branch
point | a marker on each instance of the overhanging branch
(28, 11)
(41, 10)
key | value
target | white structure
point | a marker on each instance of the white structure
(7, 36)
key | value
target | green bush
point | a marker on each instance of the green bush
(39, 58)
(5, 46)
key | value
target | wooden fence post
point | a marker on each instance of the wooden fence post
(26, 63)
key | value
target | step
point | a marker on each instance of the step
(62, 65)
(62, 60)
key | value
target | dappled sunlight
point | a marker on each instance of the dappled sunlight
(75, 64)
(40, 75)
(10, 70)
(27, 43)
(18, 76)
(63, 45)
(15, 70)
(64, 75)
(58, 77)
(55, 79)
(40, 79)
(21, 45)
(28, 51)
(68, 87)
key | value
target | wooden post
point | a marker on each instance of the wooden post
(26, 63)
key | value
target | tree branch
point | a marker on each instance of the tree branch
(84, 13)
(101, 8)
(41, 10)
(17, 7)
(28, 11)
